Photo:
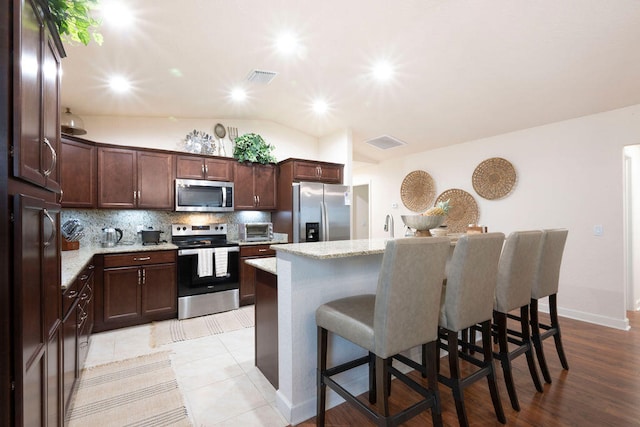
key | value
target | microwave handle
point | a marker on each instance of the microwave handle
(224, 196)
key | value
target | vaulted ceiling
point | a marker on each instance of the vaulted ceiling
(460, 69)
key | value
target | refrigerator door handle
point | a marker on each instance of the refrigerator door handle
(324, 218)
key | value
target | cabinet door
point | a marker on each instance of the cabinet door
(27, 149)
(316, 171)
(30, 331)
(155, 180)
(159, 290)
(122, 294)
(218, 169)
(265, 186)
(247, 283)
(243, 187)
(331, 174)
(116, 178)
(54, 379)
(69, 354)
(78, 174)
(189, 167)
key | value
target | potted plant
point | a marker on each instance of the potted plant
(250, 147)
(73, 19)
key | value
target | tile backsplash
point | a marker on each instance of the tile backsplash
(94, 220)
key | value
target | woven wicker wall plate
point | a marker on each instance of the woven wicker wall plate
(462, 212)
(494, 178)
(417, 191)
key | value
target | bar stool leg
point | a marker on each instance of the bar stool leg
(322, 367)
(456, 382)
(433, 351)
(537, 340)
(505, 361)
(553, 311)
(526, 338)
(491, 377)
(382, 389)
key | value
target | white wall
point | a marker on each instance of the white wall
(632, 155)
(570, 174)
(167, 133)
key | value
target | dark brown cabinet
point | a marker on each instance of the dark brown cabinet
(137, 288)
(213, 169)
(307, 170)
(78, 174)
(248, 273)
(36, 102)
(266, 329)
(37, 298)
(255, 187)
(130, 179)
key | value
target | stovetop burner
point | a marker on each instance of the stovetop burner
(200, 236)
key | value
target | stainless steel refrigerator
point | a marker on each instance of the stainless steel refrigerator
(321, 212)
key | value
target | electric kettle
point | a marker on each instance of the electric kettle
(110, 237)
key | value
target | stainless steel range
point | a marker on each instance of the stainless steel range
(207, 269)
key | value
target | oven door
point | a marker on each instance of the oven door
(190, 282)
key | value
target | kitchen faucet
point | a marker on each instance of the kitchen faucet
(388, 225)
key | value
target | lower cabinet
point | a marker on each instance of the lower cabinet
(77, 323)
(137, 288)
(248, 273)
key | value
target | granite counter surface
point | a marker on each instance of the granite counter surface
(74, 261)
(267, 264)
(334, 249)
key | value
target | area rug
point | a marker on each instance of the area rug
(169, 331)
(137, 392)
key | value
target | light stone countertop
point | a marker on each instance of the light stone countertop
(267, 264)
(334, 249)
(74, 261)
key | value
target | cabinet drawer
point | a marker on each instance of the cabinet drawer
(139, 258)
(257, 250)
(69, 296)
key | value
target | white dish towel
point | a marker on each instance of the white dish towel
(205, 262)
(222, 267)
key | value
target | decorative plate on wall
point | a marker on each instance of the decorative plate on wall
(417, 191)
(494, 178)
(463, 210)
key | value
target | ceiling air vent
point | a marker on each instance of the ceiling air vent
(385, 142)
(261, 76)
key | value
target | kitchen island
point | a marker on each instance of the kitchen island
(309, 275)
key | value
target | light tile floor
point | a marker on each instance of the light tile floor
(216, 374)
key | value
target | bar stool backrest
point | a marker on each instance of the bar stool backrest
(471, 281)
(548, 272)
(517, 269)
(408, 295)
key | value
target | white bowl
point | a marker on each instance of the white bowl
(439, 232)
(422, 222)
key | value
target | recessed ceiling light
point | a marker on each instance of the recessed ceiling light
(382, 71)
(119, 84)
(238, 94)
(287, 43)
(117, 14)
(320, 106)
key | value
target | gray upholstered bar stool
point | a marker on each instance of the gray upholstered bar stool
(518, 265)
(546, 284)
(402, 314)
(468, 300)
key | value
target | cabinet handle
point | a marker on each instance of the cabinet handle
(54, 157)
(258, 199)
(134, 197)
(203, 172)
(84, 277)
(138, 196)
(262, 250)
(206, 169)
(91, 267)
(144, 276)
(72, 294)
(53, 228)
(144, 258)
(139, 276)
(84, 296)
(61, 196)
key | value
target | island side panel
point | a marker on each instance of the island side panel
(303, 285)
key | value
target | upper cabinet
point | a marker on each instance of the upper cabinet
(255, 187)
(134, 179)
(78, 174)
(213, 169)
(307, 170)
(36, 101)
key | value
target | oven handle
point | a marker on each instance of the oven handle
(182, 252)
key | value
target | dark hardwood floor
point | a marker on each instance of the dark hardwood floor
(601, 388)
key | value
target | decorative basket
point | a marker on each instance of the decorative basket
(494, 178)
(463, 209)
(417, 191)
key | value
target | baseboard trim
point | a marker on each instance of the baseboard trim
(622, 324)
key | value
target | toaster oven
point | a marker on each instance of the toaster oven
(255, 232)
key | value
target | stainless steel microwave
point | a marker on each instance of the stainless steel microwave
(199, 195)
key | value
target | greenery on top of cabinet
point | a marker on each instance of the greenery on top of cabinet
(74, 20)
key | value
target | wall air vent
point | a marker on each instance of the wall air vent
(261, 76)
(385, 142)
